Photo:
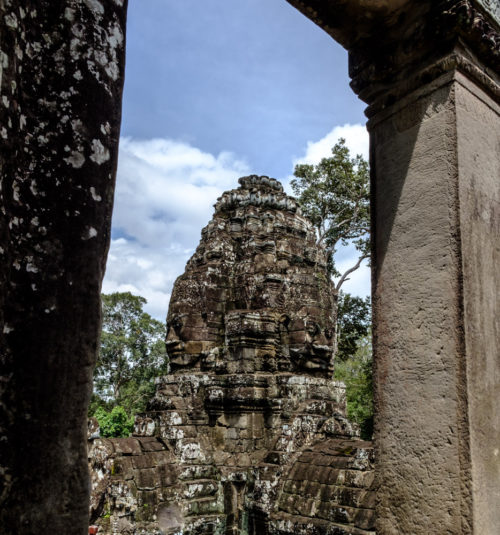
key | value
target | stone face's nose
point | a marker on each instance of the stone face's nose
(172, 336)
(173, 342)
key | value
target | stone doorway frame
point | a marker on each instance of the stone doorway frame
(429, 71)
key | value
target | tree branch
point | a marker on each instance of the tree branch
(349, 271)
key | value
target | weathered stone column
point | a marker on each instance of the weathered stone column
(430, 74)
(61, 74)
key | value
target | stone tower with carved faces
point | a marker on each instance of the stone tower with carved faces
(255, 296)
(250, 342)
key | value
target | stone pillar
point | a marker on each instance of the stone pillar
(436, 290)
(61, 75)
(429, 72)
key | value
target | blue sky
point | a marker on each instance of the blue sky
(216, 89)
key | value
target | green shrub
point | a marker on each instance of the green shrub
(114, 424)
(356, 373)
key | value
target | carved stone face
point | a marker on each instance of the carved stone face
(255, 295)
(183, 344)
(192, 330)
(311, 343)
(251, 338)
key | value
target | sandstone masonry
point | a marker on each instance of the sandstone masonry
(248, 433)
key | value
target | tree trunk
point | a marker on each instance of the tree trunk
(335, 316)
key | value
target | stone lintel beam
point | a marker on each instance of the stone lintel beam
(396, 45)
(350, 22)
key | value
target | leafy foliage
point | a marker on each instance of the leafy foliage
(354, 321)
(131, 355)
(335, 196)
(356, 373)
(115, 423)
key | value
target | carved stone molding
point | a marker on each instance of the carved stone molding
(427, 79)
(492, 7)
(475, 28)
(430, 41)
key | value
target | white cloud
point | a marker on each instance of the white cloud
(356, 138)
(164, 196)
(166, 189)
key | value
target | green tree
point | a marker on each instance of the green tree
(353, 323)
(115, 423)
(356, 373)
(131, 355)
(335, 196)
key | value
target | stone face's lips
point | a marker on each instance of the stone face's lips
(173, 345)
(321, 348)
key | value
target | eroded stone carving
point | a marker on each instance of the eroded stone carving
(255, 296)
(250, 394)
